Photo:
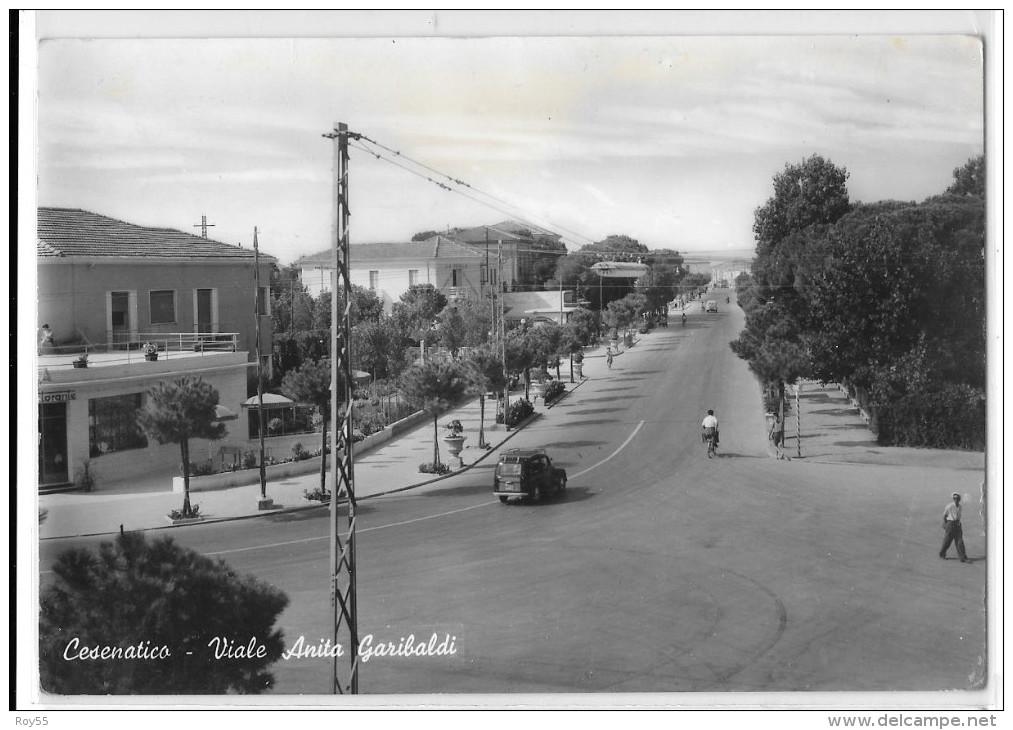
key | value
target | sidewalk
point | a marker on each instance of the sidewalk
(390, 467)
(833, 431)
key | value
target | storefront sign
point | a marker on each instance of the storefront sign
(59, 396)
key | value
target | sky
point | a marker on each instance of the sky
(671, 139)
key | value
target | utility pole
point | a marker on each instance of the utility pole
(263, 502)
(502, 335)
(798, 420)
(343, 592)
(204, 225)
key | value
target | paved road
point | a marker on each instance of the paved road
(660, 571)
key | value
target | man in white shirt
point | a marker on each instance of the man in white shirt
(954, 532)
(710, 426)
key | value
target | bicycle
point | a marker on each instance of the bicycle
(712, 443)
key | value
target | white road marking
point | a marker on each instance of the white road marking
(408, 522)
(612, 455)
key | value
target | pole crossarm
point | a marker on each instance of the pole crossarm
(343, 586)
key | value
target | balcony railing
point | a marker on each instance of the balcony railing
(168, 344)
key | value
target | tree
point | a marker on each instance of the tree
(311, 384)
(139, 596)
(434, 386)
(484, 369)
(808, 197)
(812, 191)
(178, 411)
(519, 353)
(379, 348)
(425, 235)
(969, 179)
(292, 308)
(451, 329)
(416, 312)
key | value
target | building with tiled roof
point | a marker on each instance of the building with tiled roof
(65, 232)
(107, 288)
(105, 282)
(389, 269)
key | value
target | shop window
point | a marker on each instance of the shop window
(112, 424)
(163, 306)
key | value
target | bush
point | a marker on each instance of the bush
(553, 390)
(299, 453)
(177, 514)
(135, 595)
(430, 467)
(952, 416)
(317, 495)
(250, 460)
(519, 410)
(200, 468)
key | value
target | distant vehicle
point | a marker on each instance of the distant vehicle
(712, 305)
(527, 474)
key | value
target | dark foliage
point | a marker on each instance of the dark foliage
(151, 594)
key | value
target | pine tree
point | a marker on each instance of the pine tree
(141, 596)
(433, 387)
(177, 411)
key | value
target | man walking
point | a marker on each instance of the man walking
(954, 532)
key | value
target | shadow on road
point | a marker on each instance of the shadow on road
(589, 411)
(461, 491)
(576, 424)
(315, 513)
(571, 494)
(611, 399)
(863, 444)
(572, 444)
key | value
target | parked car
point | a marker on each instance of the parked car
(712, 305)
(527, 474)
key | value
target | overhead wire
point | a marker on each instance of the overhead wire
(515, 211)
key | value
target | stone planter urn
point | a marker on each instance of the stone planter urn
(151, 357)
(454, 446)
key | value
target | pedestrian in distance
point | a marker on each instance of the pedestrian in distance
(608, 356)
(954, 532)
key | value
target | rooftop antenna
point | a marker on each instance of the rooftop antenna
(204, 225)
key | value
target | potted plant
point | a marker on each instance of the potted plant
(150, 351)
(577, 358)
(454, 439)
(81, 361)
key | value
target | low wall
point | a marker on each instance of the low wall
(244, 477)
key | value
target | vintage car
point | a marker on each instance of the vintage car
(712, 305)
(527, 474)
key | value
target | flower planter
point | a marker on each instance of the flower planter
(78, 364)
(151, 357)
(454, 446)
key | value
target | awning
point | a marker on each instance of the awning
(224, 414)
(270, 399)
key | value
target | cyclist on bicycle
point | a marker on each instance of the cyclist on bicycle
(710, 428)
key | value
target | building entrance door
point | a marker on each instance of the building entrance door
(205, 316)
(119, 302)
(53, 443)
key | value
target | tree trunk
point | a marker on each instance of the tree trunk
(436, 443)
(323, 459)
(481, 420)
(184, 449)
(527, 383)
(571, 368)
